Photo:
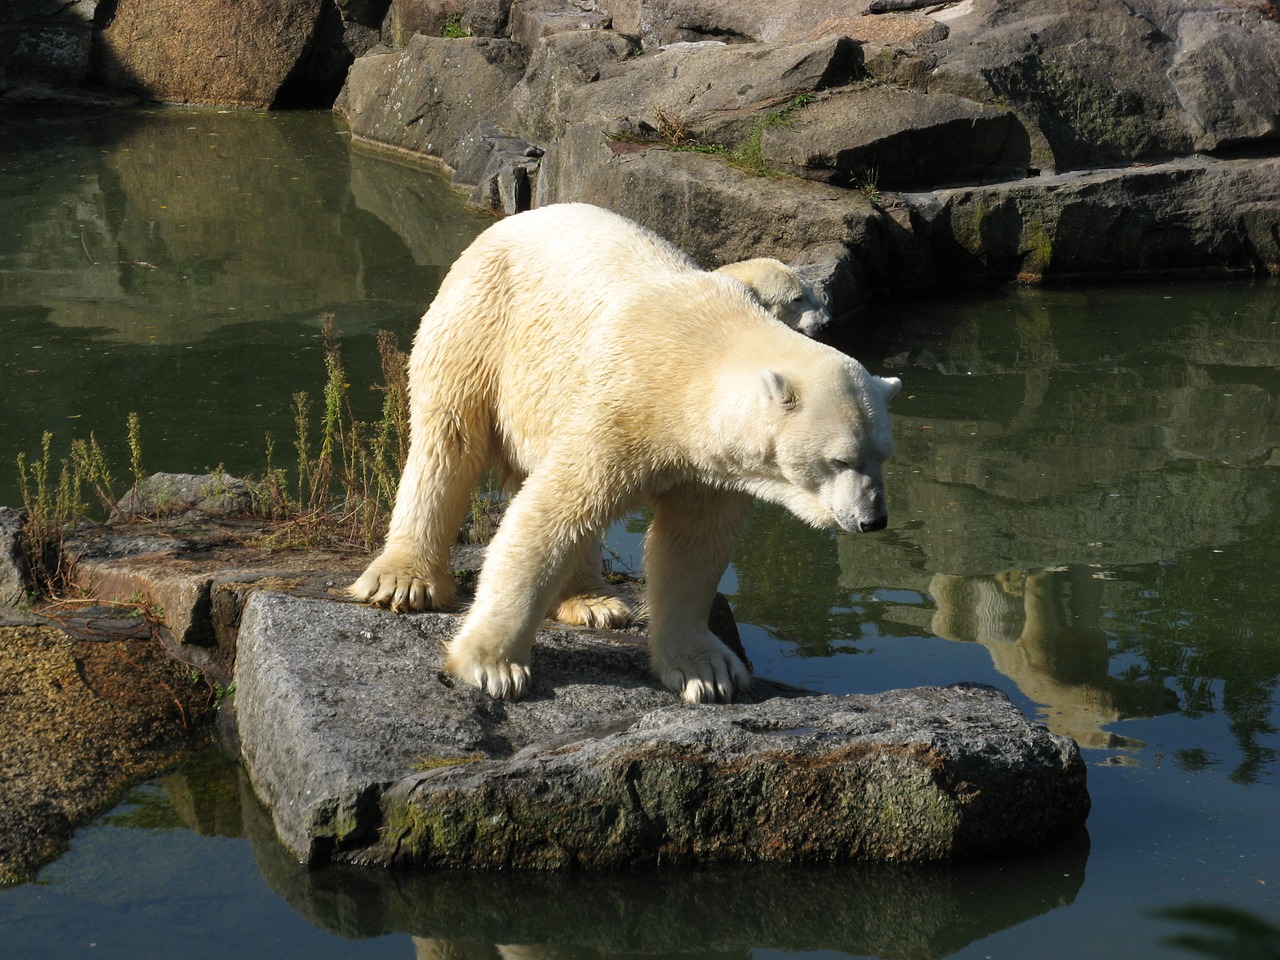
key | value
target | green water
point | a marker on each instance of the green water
(1085, 512)
(180, 264)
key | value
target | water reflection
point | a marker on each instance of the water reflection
(1042, 629)
(177, 263)
(1095, 503)
(879, 910)
(172, 224)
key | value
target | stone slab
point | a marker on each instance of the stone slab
(366, 751)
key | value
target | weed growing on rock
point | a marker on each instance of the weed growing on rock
(345, 485)
(52, 505)
(453, 28)
(750, 155)
(869, 184)
(135, 451)
(677, 133)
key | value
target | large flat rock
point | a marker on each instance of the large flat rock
(1195, 216)
(365, 751)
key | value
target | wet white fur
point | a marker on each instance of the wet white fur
(599, 368)
(782, 292)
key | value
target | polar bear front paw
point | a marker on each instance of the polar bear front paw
(709, 675)
(600, 611)
(501, 679)
(400, 591)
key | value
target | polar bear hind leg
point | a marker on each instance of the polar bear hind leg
(586, 600)
(686, 551)
(413, 571)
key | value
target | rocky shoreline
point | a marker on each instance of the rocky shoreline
(919, 148)
(366, 752)
(85, 712)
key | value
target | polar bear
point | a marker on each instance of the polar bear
(600, 368)
(782, 292)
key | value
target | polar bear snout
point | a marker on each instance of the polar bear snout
(871, 526)
(862, 523)
(856, 500)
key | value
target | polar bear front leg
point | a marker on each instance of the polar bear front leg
(686, 551)
(543, 530)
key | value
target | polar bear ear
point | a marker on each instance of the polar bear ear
(891, 386)
(777, 389)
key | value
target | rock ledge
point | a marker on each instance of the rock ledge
(365, 751)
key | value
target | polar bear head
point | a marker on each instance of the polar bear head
(780, 290)
(822, 437)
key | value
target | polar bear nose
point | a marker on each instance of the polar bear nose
(871, 526)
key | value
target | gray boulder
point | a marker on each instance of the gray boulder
(192, 495)
(1195, 216)
(540, 105)
(473, 18)
(13, 558)
(500, 170)
(364, 750)
(898, 139)
(769, 21)
(1219, 73)
(532, 20)
(45, 42)
(1125, 81)
(712, 94)
(423, 99)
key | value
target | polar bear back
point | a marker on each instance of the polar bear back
(548, 311)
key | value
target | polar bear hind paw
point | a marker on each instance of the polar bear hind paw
(708, 676)
(598, 611)
(501, 679)
(400, 592)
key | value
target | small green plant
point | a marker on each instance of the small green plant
(219, 694)
(142, 606)
(223, 695)
(483, 508)
(453, 28)
(750, 155)
(676, 132)
(348, 476)
(54, 504)
(868, 183)
(135, 452)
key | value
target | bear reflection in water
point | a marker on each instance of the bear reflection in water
(1031, 624)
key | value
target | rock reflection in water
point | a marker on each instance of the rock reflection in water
(168, 225)
(179, 264)
(880, 910)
